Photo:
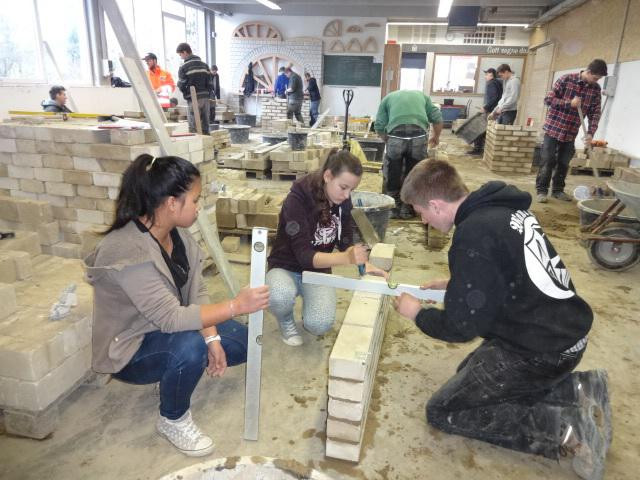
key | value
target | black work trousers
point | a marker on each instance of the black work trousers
(513, 400)
(555, 158)
(406, 146)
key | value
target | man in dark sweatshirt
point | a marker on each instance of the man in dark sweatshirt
(492, 94)
(194, 72)
(509, 286)
(57, 102)
(314, 98)
(295, 95)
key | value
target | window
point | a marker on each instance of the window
(454, 74)
(412, 73)
(158, 26)
(45, 41)
(487, 35)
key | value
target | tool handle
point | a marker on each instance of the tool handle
(362, 269)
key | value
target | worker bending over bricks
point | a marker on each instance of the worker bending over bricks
(508, 285)
(152, 320)
(314, 220)
(402, 122)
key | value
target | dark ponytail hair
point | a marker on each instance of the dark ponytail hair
(147, 182)
(337, 162)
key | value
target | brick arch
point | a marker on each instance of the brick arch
(281, 51)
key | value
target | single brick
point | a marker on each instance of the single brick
(49, 174)
(57, 161)
(77, 177)
(27, 159)
(59, 188)
(107, 179)
(66, 250)
(91, 191)
(87, 164)
(49, 233)
(7, 300)
(33, 186)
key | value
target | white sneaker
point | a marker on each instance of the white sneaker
(290, 334)
(185, 435)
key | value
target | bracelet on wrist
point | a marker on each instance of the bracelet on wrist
(212, 338)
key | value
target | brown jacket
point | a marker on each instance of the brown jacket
(134, 294)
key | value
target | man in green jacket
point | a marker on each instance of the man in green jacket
(403, 123)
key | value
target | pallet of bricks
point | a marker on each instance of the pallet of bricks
(509, 148)
(353, 363)
(242, 209)
(255, 160)
(41, 360)
(603, 158)
(77, 170)
(287, 164)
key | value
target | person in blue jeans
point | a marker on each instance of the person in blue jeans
(314, 221)
(152, 317)
(314, 98)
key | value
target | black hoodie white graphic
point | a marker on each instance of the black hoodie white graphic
(507, 280)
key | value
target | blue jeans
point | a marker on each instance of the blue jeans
(313, 111)
(319, 302)
(177, 360)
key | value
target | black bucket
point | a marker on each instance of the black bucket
(370, 153)
(297, 140)
(373, 143)
(274, 138)
(377, 207)
(238, 133)
(245, 119)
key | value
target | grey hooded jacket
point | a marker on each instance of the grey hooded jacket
(134, 293)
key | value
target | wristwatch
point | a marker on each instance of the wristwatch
(212, 338)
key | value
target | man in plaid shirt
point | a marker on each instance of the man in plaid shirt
(570, 92)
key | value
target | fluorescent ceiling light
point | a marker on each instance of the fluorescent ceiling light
(525, 25)
(416, 23)
(444, 8)
(269, 4)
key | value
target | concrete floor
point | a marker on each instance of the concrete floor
(108, 432)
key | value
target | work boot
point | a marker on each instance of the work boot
(474, 151)
(541, 198)
(185, 435)
(395, 213)
(583, 444)
(593, 389)
(406, 212)
(561, 196)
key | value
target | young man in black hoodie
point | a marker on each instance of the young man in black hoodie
(508, 286)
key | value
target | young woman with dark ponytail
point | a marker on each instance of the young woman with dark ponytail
(153, 321)
(315, 219)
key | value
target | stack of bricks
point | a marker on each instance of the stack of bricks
(509, 148)
(247, 208)
(353, 363)
(41, 361)
(221, 138)
(33, 224)
(601, 158)
(77, 169)
(275, 109)
(296, 163)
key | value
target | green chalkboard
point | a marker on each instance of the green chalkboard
(351, 70)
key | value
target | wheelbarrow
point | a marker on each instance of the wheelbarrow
(611, 243)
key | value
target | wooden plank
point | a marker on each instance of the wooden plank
(195, 109)
(254, 350)
(212, 242)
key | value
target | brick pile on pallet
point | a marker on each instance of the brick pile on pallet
(353, 363)
(221, 138)
(600, 157)
(276, 109)
(77, 170)
(287, 164)
(247, 208)
(509, 148)
(41, 361)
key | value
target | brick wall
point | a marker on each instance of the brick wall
(276, 109)
(509, 148)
